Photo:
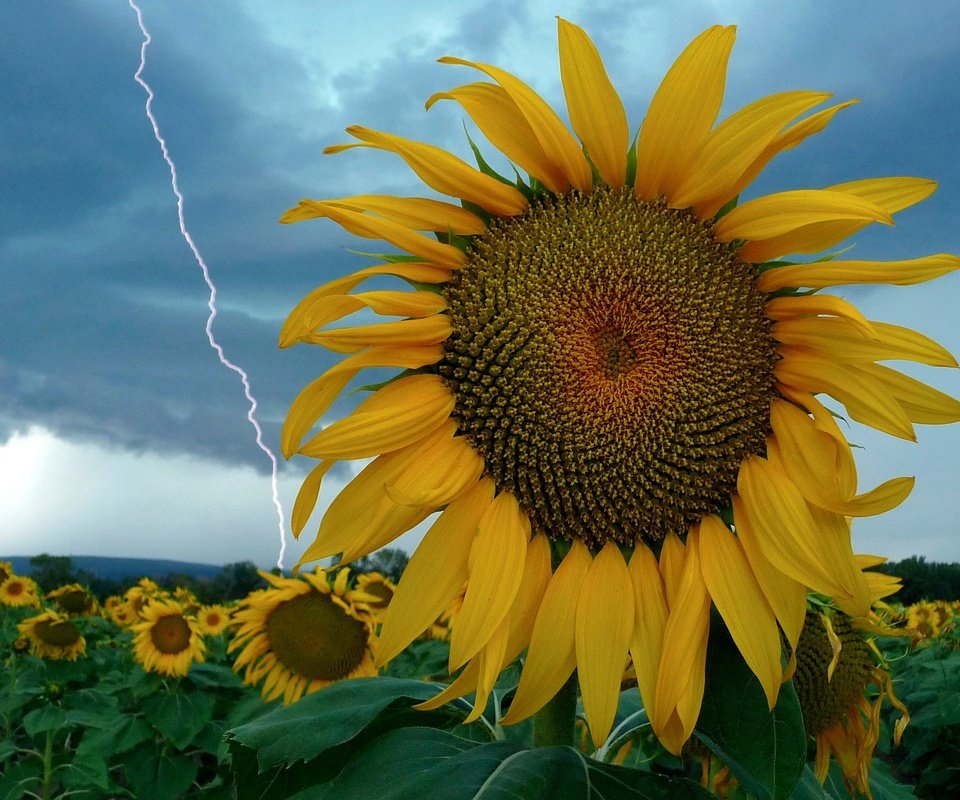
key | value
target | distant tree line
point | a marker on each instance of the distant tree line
(231, 583)
(924, 580)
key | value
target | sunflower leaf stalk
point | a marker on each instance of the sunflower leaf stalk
(554, 724)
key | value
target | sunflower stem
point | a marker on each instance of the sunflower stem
(553, 725)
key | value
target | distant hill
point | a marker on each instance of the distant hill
(118, 569)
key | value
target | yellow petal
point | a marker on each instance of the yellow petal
(491, 658)
(443, 171)
(317, 397)
(596, 111)
(556, 141)
(735, 144)
(435, 573)
(741, 602)
(331, 307)
(783, 212)
(816, 305)
(840, 273)
(501, 121)
(417, 213)
(396, 415)
(680, 680)
(604, 629)
(496, 567)
(465, 683)
(307, 497)
(672, 557)
(536, 577)
(812, 238)
(921, 403)
(407, 332)
(552, 654)
(682, 113)
(865, 398)
(786, 596)
(650, 606)
(891, 194)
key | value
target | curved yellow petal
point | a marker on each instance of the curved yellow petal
(501, 121)
(496, 566)
(734, 146)
(816, 305)
(417, 213)
(781, 213)
(491, 659)
(891, 194)
(596, 111)
(328, 308)
(921, 403)
(840, 273)
(741, 602)
(307, 497)
(650, 608)
(552, 654)
(317, 397)
(672, 557)
(465, 683)
(408, 332)
(435, 573)
(396, 415)
(442, 171)
(556, 141)
(603, 632)
(812, 238)
(682, 113)
(537, 573)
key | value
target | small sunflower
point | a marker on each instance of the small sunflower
(74, 600)
(837, 666)
(167, 641)
(301, 635)
(6, 570)
(377, 586)
(19, 591)
(213, 619)
(52, 635)
(611, 386)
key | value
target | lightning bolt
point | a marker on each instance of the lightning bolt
(212, 302)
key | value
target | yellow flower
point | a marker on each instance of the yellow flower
(74, 600)
(6, 570)
(213, 620)
(18, 591)
(299, 636)
(52, 635)
(604, 367)
(167, 641)
(380, 588)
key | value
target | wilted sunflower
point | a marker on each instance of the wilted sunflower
(19, 591)
(604, 365)
(213, 620)
(167, 641)
(301, 635)
(52, 635)
(75, 600)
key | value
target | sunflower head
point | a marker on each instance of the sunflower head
(20, 591)
(213, 619)
(167, 641)
(610, 385)
(6, 570)
(380, 590)
(301, 635)
(54, 636)
(74, 600)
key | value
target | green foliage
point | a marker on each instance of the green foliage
(388, 561)
(923, 580)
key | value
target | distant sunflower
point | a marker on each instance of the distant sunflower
(378, 586)
(53, 636)
(842, 680)
(167, 641)
(19, 591)
(6, 570)
(120, 611)
(213, 620)
(606, 369)
(299, 636)
(75, 600)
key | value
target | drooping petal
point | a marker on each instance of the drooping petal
(442, 171)
(533, 586)
(556, 141)
(496, 566)
(840, 273)
(682, 113)
(921, 403)
(741, 602)
(307, 497)
(552, 654)
(491, 659)
(672, 557)
(435, 573)
(596, 111)
(603, 631)
(650, 607)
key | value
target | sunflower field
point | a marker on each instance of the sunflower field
(152, 695)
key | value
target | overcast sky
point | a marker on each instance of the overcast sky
(122, 434)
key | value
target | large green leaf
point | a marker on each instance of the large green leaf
(47, 718)
(91, 708)
(127, 732)
(160, 776)
(179, 715)
(765, 750)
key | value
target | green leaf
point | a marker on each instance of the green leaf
(809, 788)
(160, 776)
(331, 717)
(126, 733)
(48, 718)
(765, 750)
(85, 770)
(214, 676)
(179, 716)
(7, 749)
(91, 708)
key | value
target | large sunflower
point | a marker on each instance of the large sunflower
(610, 387)
(299, 636)
(167, 640)
(52, 635)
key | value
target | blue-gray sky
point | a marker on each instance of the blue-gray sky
(120, 432)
